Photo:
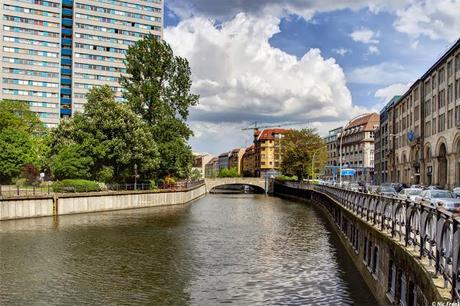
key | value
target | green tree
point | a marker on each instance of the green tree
(157, 87)
(304, 151)
(232, 172)
(196, 175)
(22, 139)
(69, 163)
(110, 139)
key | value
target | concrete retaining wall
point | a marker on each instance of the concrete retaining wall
(63, 204)
(26, 208)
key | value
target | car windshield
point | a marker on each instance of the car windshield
(413, 191)
(441, 194)
(388, 189)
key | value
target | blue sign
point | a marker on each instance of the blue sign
(348, 172)
(410, 135)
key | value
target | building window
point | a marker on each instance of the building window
(442, 99)
(457, 89)
(450, 119)
(441, 76)
(449, 68)
(442, 123)
(427, 87)
(457, 115)
(433, 127)
(450, 94)
(427, 107)
(433, 104)
(457, 62)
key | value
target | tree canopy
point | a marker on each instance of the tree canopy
(107, 139)
(22, 139)
(304, 151)
(157, 87)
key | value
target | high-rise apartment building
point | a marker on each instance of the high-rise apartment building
(54, 51)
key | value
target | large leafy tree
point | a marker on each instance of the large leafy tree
(157, 86)
(22, 139)
(304, 151)
(107, 139)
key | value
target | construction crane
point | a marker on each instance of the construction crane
(255, 127)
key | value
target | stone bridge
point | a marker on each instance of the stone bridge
(408, 253)
(251, 181)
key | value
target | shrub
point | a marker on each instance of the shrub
(285, 178)
(153, 184)
(233, 172)
(21, 182)
(76, 185)
(105, 174)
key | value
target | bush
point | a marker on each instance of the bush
(153, 184)
(105, 174)
(76, 185)
(285, 178)
(21, 182)
(233, 172)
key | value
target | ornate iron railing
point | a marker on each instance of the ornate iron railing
(433, 232)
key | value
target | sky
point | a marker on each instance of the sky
(301, 63)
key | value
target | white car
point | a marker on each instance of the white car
(443, 198)
(410, 194)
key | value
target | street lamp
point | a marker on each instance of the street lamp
(340, 148)
(136, 176)
(312, 162)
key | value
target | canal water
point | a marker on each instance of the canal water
(240, 249)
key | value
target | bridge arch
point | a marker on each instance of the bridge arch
(256, 182)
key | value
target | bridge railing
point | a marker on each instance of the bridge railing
(433, 232)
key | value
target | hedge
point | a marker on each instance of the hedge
(76, 185)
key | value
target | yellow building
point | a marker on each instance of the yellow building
(234, 159)
(268, 150)
(249, 162)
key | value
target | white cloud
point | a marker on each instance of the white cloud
(384, 73)
(387, 93)
(242, 78)
(436, 19)
(374, 50)
(341, 51)
(365, 35)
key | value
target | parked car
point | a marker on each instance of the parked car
(388, 191)
(373, 189)
(434, 187)
(410, 193)
(445, 198)
(456, 191)
(355, 187)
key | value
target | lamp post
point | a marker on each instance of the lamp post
(340, 147)
(312, 162)
(135, 176)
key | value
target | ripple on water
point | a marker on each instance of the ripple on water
(245, 250)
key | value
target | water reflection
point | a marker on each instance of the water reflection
(245, 249)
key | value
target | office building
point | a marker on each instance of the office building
(54, 51)
(423, 135)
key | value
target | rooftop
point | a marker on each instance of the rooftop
(269, 134)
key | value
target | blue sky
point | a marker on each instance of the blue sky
(379, 52)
